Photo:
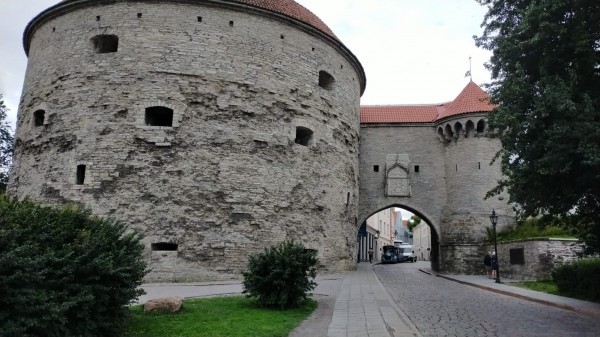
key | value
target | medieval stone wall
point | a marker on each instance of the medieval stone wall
(449, 170)
(234, 170)
(540, 257)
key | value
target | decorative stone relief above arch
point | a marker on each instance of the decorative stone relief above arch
(397, 175)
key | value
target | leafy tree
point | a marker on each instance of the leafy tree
(413, 222)
(6, 146)
(546, 79)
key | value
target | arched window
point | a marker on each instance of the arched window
(458, 128)
(159, 116)
(326, 81)
(441, 134)
(469, 128)
(105, 43)
(39, 116)
(304, 136)
(481, 126)
(449, 133)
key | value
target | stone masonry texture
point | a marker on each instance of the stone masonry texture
(258, 139)
(226, 178)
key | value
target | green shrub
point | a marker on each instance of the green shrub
(532, 228)
(579, 279)
(282, 275)
(64, 272)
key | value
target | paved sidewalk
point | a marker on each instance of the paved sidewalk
(364, 309)
(508, 287)
(356, 304)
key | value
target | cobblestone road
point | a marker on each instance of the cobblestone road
(440, 307)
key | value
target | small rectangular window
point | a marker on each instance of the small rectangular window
(159, 116)
(417, 168)
(38, 117)
(230, 23)
(105, 43)
(164, 246)
(517, 256)
(139, 15)
(199, 19)
(479, 165)
(80, 174)
(375, 168)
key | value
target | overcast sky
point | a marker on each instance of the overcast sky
(413, 51)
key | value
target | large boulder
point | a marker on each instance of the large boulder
(166, 304)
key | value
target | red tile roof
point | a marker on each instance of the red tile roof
(288, 8)
(294, 10)
(471, 99)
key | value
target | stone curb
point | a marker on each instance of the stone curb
(564, 306)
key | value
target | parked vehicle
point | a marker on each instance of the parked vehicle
(389, 255)
(406, 253)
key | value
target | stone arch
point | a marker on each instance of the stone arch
(469, 128)
(481, 126)
(448, 132)
(458, 129)
(435, 242)
(441, 135)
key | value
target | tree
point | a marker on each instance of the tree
(546, 79)
(413, 222)
(6, 146)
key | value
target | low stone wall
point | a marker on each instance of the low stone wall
(535, 259)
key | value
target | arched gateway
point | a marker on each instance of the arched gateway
(220, 127)
(435, 161)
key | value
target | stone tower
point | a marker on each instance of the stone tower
(436, 161)
(214, 127)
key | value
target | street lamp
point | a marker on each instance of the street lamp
(494, 220)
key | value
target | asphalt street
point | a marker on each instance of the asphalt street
(440, 307)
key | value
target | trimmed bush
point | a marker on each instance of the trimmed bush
(579, 279)
(64, 272)
(282, 275)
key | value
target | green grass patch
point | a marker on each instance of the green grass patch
(546, 286)
(232, 316)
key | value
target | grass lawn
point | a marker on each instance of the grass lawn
(546, 286)
(231, 316)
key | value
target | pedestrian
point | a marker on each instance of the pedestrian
(371, 255)
(494, 260)
(487, 261)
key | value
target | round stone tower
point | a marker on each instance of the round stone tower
(469, 175)
(214, 127)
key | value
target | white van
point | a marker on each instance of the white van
(406, 253)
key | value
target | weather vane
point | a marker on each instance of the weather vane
(468, 73)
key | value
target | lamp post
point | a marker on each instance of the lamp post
(494, 220)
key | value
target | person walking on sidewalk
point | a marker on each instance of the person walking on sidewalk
(494, 265)
(487, 261)
(371, 255)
